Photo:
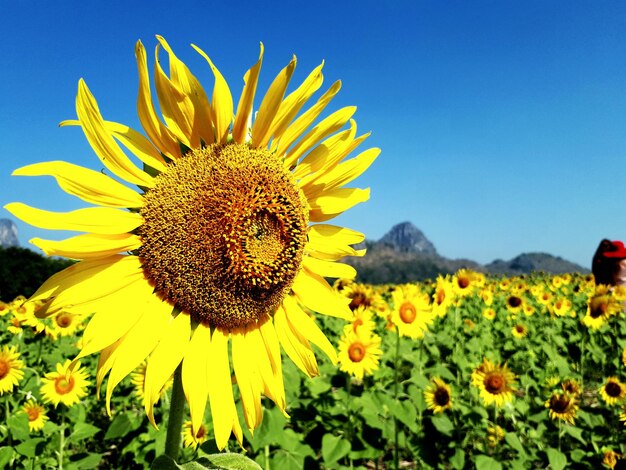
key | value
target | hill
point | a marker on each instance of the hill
(404, 254)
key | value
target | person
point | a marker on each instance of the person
(609, 263)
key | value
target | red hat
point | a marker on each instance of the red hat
(618, 252)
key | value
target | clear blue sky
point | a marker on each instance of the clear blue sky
(502, 124)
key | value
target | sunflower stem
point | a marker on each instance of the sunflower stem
(396, 459)
(175, 418)
(61, 438)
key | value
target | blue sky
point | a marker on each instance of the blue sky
(502, 124)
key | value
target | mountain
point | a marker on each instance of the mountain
(404, 254)
(8, 233)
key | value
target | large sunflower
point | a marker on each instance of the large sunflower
(562, 406)
(495, 383)
(221, 255)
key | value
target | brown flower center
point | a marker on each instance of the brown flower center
(494, 383)
(224, 233)
(358, 299)
(201, 432)
(559, 403)
(4, 368)
(441, 296)
(442, 397)
(63, 386)
(33, 413)
(514, 301)
(356, 352)
(613, 389)
(408, 312)
(463, 282)
(64, 320)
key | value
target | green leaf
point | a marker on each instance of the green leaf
(32, 447)
(83, 431)
(443, 424)
(18, 425)
(87, 462)
(578, 455)
(458, 460)
(557, 460)
(119, 427)
(576, 433)
(484, 462)
(226, 461)
(334, 448)
(512, 440)
(6, 453)
(164, 462)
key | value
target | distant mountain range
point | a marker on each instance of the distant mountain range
(8, 233)
(404, 254)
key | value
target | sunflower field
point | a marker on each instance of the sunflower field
(467, 371)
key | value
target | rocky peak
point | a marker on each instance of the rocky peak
(407, 238)
(8, 233)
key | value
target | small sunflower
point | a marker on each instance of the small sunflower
(212, 263)
(361, 321)
(66, 385)
(465, 281)
(64, 323)
(519, 330)
(494, 382)
(561, 306)
(36, 415)
(191, 439)
(486, 294)
(412, 313)
(562, 406)
(612, 391)
(495, 435)
(489, 313)
(359, 353)
(364, 297)
(601, 306)
(10, 369)
(610, 458)
(438, 395)
(514, 303)
(571, 386)
(443, 296)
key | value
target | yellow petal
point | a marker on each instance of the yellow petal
(199, 111)
(293, 103)
(139, 342)
(164, 360)
(162, 137)
(141, 147)
(105, 362)
(110, 154)
(248, 379)
(91, 186)
(327, 126)
(306, 326)
(327, 268)
(341, 174)
(315, 293)
(329, 150)
(223, 410)
(222, 102)
(244, 108)
(270, 105)
(101, 220)
(336, 201)
(295, 130)
(296, 347)
(272, 345)
(89, 245)
(71, 275)
(332, 242)
(114, 316)
(263, 365)
(194, 374)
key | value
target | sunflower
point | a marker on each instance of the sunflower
(465, 281)
(612, 391)
(361, 321)
(64, 323)
(544, 297)
(4, 308)
(359, 353)
(514, 302)
(601, 306)
(363, 296)
(486, 294)
(610, 458)
(36, 415)
(438, 395)
(561, 306)
(495, 435)
(227, 238)
(571, 386)
(10, 369)
(67, 385)
(494, 382)
(562, 406)
(138, 379)
(519, 330)
(443, 296)
(193, 439)
(489, 313)
(412, 312)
